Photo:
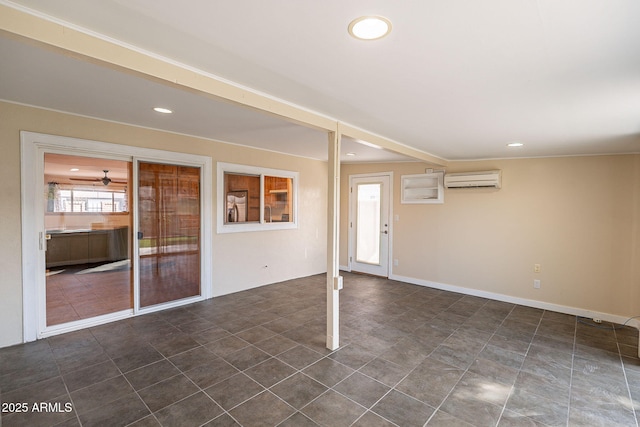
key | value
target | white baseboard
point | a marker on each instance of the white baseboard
(574, 311)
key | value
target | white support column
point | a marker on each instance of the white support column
(334, 281)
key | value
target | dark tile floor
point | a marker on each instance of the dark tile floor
(410, 356)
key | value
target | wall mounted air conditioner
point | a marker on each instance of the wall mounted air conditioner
(484, 179)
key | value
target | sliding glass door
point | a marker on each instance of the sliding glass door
(107, 236)
(168, 233)
(87, 223)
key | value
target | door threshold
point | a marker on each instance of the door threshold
(76, 325)
(369, 274)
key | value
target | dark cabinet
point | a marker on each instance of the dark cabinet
(87, 246)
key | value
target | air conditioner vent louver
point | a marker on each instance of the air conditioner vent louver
(483, 179)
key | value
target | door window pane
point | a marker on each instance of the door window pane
(368, 223)
(88, 271)
(169, 240)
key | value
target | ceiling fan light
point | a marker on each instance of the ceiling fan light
(370, 27)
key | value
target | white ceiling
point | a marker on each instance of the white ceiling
(456, 79)
(90, 170)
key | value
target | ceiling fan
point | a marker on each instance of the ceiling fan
(105, 179)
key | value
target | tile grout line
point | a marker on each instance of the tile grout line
(128, 382)
(573, 357)
(626, 379)
(467, 370)
(268, 389)
(393, 388)
(75, 350)
(200, 389)
(265, 389)
(401, 380)
(65, 385)
(369, 409)
(504, 406)
(522, 364)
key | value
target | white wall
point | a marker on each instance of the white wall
(265, 257)
(578, 217)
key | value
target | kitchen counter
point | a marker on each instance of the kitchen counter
(85, 246)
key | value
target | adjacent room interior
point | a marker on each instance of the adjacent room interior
(88, 268)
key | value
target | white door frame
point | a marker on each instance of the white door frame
(33, 148)
(352, 213)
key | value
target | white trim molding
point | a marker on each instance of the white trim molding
(573, 311)
(262, 224)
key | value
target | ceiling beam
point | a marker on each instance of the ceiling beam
(387, 144)
(118, 56)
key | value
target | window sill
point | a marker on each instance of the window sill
(256, 226)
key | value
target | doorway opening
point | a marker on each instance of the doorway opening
(88, 244)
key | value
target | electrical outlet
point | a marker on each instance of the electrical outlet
(536, 268)
(536, 284)
(395, 262)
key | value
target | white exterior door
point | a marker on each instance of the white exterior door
(369, 224)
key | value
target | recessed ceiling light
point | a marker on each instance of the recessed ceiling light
(351, 154)
(515, 144)
(74, 170)
(370, 27)
(368, 144)
(162, 110)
